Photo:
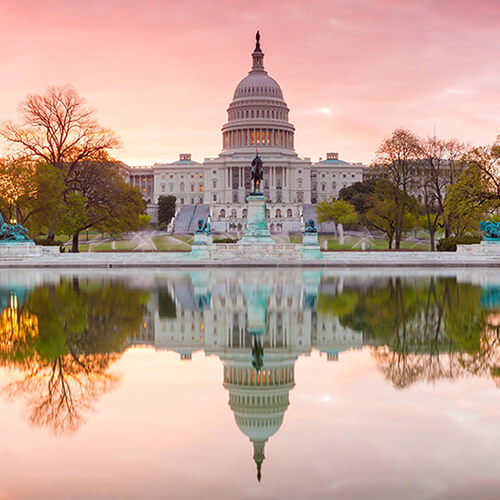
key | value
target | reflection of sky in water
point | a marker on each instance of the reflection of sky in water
(377, 385)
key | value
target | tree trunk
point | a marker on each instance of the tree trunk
(52, 231)
(74, 247)
(431, 230)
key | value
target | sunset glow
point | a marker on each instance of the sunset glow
(161, 74)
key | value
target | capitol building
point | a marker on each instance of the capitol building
(257, 120)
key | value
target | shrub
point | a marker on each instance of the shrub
(47, 243)
(225, 240)
(450, 244)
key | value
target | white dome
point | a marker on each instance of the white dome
(259, 427)
(258, 84)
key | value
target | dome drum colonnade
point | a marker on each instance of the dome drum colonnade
(258, 114)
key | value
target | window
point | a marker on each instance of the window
(181, 189)
(299, 183)
(244, 212)
(201, 187)
(289, 213)
(192, 188)
(323, 187)
(171, 188)
(214, 172)
(215, 197)
(233, 213)
(222, 214)
(214, 183)
(278, 213)
(163, 188)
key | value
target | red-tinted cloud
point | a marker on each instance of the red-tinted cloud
(161, 73)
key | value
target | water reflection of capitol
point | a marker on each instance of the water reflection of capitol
(238, 317)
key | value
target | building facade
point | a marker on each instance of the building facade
(257, 120)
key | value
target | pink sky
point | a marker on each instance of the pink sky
(162, 73)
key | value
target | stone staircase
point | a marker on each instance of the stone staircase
(186, 221)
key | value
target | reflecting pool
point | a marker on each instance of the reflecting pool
(250, 383)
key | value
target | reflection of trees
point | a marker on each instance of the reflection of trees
(82, 328)
(422, 329)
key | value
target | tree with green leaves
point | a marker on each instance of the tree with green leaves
(358, 194)
(166, 209)
(390, 211)
(98, 196)
(338, 211)
(464, 203)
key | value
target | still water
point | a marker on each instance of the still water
(250, 383)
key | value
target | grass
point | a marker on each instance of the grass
(352, 243)
(124, 245)
(163, 245)
(103, 247)
(295, 238)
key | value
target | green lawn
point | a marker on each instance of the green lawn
(124, 245)
(163, 245)
(103, 247)
(295, 238)
(352, 243)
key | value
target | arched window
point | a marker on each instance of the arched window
(192, 188)
(215, 183)
(222, 214)
(334, 186)
(278, 213)
(289, 213)
(233, 213)
(171, 188)
(244, 212)
(181, 187)
(323, 186)
(299, 183)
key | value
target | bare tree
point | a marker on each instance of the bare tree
(439, 167)
(396, 159)
(59, 128)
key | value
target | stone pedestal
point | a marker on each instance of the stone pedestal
(310, 247)
(17, 249)
(256, 230)
(486, 247)
(201, 245)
